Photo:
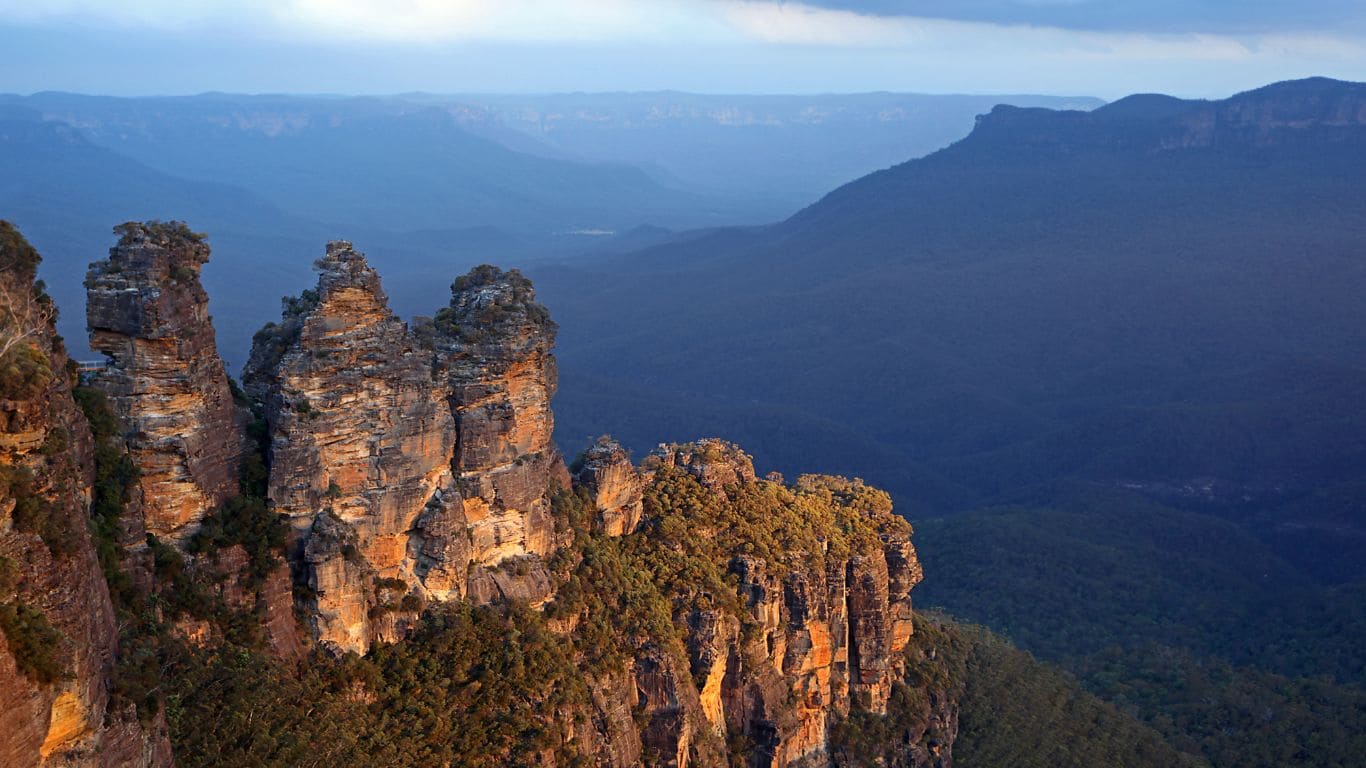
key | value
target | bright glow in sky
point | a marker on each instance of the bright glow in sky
(1094, 47)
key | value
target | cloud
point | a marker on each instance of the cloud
(1152, 16)
(852, 24)
(709, 45)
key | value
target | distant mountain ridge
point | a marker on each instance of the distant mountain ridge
(427, 183)
(1333, 109)
(1031, 287)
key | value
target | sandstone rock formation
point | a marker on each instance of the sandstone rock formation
(714, 462)
(360, 445)
(818, 634)
(148, 313)
(493, 347)
(413, 466)
(49, 573)
(615, 486)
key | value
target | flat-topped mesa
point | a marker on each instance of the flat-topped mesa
(493, 347)
(360, 445)
(148, 313)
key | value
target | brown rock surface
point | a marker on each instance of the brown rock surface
(47, 558)
(148, 313)
(361, 440)
(493, 347)
(714, 462)
(615, 485)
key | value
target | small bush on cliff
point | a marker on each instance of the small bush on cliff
(9, 576)
(34, 513)
(33, 642)
(17, 257)
(164, 232)
(115, 476)
(244, 520)
(25, 372)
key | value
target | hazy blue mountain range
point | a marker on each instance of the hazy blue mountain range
(789, 149)
(430, 185)
(1059, 294)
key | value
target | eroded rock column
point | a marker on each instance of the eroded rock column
(493, 347)
(360, 447)
(148, 313)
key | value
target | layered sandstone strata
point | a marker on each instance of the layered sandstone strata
(493, 353)
(413, 466)
(148, 313)
(614, 485)
(49, 572)
(360, 446)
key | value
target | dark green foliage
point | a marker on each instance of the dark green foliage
(572, 510)
(473, 687)
(1013, 711)
(115, 476)
(34, 643)
(1234, 716)
(230, 705)
(244, 520)
(1180, 618)
(273, 339)
(9, 576)
(618, 605)
(509, 682)
(1018, 712)
(164, 232)
(517, 304)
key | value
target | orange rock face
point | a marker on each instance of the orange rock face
(47, 559)
(148, 313)
(360, 435)
(414, 466)
(616, 487)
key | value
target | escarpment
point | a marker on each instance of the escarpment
(681, 611)
(823, 572)
(148, 314)
(58, 634)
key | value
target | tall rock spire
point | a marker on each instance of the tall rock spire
(494, 343)
(148, 313)
(360, 448)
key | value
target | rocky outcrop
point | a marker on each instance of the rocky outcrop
(714, 462)
(148, 313)
(360, 447)
(60, 639)
(615, 486)
(492, 347)
(819, 633)
(414, 465)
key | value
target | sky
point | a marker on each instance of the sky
(1105, 48)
